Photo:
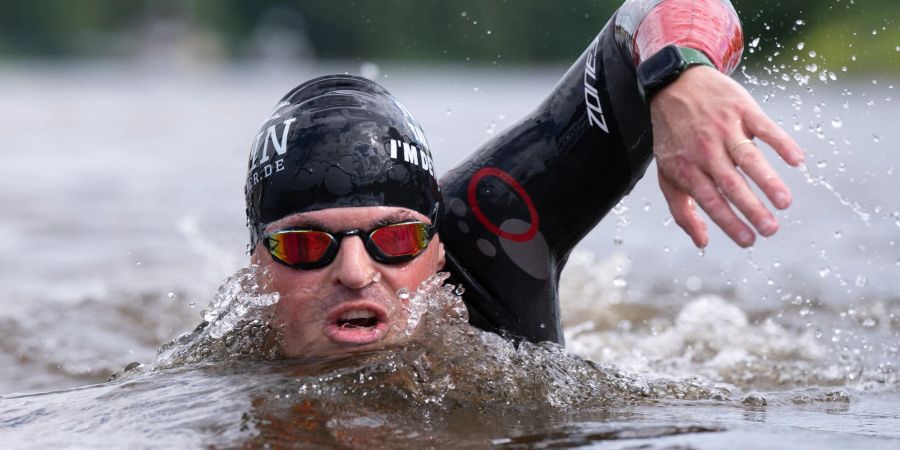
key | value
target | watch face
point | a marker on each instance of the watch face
(661, 68)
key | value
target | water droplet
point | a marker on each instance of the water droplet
(754, 43)
(619, 281)
(861, 281)
(463, 14)
(475, 89)
(449, 112)
(836, 122)
(812, 67)
(799, 22)
(171, 295)
(876, 138)
(693, 283)
(838, 234)
(403, 294)
(647, 206)
(800, 45)
(824, 271)
(488, 32)
(193, 304)
(821, 164)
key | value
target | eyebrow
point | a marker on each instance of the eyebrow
(306, 223)
(395, 217)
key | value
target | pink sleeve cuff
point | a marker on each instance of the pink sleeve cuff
(711, 26)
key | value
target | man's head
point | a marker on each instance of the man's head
(341, 198)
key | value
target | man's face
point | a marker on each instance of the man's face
(350, 304)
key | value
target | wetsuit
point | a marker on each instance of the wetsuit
(515, 209)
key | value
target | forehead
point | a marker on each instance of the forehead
(335, 219)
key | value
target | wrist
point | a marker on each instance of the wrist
(665, 67)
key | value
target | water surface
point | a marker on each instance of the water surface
(123, 212)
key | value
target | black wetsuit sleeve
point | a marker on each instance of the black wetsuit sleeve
(515, 208)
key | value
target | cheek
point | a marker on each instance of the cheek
(297, 289)
(412, 274)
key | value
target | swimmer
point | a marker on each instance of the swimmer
(344, 207)
(345, 217)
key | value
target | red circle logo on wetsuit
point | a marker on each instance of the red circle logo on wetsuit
(511, 182)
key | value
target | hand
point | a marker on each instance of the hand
(703, 126)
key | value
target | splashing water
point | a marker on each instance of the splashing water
(448, 359)
(234, 325)
(449, 384)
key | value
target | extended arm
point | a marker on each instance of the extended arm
(516, 207)
(704, 122)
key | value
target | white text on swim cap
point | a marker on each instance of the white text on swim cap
(254, 176)
(411, 155)
(279, 144)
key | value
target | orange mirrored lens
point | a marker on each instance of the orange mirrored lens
(402, 239)
(299, 247)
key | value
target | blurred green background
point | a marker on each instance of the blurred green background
(488, 31)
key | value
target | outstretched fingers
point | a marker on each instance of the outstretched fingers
(757, 123)
(711, 200)
(751, 161)
(683, 212)
(734, 187)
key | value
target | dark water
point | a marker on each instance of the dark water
(122, 213)
(451, 386)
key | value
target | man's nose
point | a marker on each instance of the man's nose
(354, 267)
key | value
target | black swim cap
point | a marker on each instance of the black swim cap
(333, 142)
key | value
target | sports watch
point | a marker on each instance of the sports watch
(665, 66)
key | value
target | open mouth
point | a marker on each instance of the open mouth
(358, 318)
(357, 324)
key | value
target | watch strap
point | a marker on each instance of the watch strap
(694, 57)
(688, 57)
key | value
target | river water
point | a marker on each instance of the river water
(121, 188)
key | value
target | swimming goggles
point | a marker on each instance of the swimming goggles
(311, 249)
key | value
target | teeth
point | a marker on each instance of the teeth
(357, 314)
